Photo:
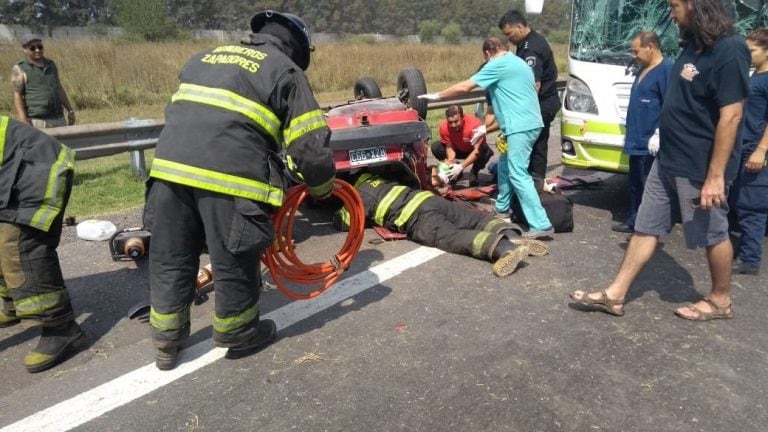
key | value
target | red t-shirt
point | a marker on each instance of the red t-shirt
(461, 140)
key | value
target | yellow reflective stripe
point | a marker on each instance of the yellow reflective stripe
(303, 125)
(169, 321)
(322, 189)
(492, 224)
(411, 207)
(344, 213)
(229, 324)
(363, 178)
(478, 242)
(216, 182)
(3, 129)
(53, 199)
(39, 304)
(386, 203)
(231, 101)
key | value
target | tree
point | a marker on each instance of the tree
(452, 33)
(428, 30)
(146, 19)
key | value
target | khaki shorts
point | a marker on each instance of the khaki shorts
(701, 228)
(49, 123)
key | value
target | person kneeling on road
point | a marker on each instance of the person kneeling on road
(35, 184)
(460, 145)
(447, 225)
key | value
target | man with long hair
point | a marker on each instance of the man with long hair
(698, 157)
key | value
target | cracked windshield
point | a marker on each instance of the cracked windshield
(602, 29)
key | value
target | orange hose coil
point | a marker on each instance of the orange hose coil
(281, 260)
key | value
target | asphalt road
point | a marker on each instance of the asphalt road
(417, 340)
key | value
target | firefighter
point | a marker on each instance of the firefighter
(35, 182)
(436, 222)
(243, 113)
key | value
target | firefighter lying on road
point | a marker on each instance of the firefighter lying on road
(447, 225)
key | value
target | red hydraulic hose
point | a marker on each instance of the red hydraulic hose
(281, 260)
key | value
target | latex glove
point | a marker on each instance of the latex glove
(653, 143)
(455, 172)
(477, 134)
(430, 96)
(444, 180)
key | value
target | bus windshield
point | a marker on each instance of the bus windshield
(601, 30)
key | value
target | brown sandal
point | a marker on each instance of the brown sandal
(717, 312)
(603, 304)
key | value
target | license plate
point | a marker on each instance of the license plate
(366, 155)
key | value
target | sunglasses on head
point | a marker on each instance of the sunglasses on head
(35, 47)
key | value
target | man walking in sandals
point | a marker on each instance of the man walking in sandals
(697, 159)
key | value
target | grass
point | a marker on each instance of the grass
(114, 81)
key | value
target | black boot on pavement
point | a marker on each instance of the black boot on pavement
(52, 346)
(167, 352)
(265, 334)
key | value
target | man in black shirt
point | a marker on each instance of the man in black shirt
(535, 50)
(698, 157)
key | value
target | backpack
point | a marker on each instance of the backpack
(559, 210)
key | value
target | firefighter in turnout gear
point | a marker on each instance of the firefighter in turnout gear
(434, 221)
(242, 115)
(35, 182)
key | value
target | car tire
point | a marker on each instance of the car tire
(366, 88)
(411, 84)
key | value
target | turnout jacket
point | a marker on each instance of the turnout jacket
(386, 203)
(239, 108)
(35, 175)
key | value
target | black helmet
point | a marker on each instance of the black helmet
(296, 25)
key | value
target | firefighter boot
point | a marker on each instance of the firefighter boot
(52, 346)
(507, 256)
(265, 334)
(8, 314)
(167, 352)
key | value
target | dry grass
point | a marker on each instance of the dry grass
(121, 80)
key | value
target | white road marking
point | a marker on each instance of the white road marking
(133, 385)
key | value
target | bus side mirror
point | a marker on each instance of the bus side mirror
(534, 6)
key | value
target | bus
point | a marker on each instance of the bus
(601, 71)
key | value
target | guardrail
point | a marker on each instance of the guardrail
(134, 136)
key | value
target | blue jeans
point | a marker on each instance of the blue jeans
(639, 167)
(751, 202)
(513, 178)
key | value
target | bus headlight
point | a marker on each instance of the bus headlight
(567, 148)
(578, 97)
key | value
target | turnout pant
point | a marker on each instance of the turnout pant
(455, 227)
(31, 283)
(235, 231)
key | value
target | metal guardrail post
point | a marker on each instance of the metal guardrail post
(138, 164)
